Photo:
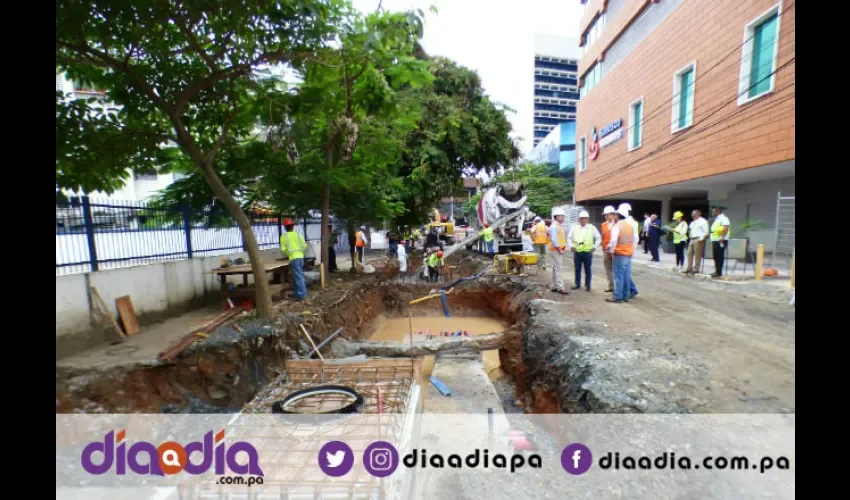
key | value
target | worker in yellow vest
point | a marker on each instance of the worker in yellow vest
(680, 239)
(540, 234)
(434, 261)
(719, 236)
(360, 242)
(292, 245)
(624, 241)
(584, 239)
(557, 249)
(487, 234)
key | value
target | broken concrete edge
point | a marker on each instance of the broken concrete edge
(571, 360)
(391, 349)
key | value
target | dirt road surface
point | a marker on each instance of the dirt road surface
(741, 333)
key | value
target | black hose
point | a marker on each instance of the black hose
(279, 406)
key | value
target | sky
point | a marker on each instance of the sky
(496, 39)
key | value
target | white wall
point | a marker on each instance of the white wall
(153, 288)
(759, 198)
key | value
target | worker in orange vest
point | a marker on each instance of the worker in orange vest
(624, 241)
(540, 235)
(360, 242)
(608, 258)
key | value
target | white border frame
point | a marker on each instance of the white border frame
(747, 55)
(630, 146)
(582, 154)
(677, 96)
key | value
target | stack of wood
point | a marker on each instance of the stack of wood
(177, 348)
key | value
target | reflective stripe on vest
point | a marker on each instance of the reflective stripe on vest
(626, 240)
(680, 234)
(292, 245)
(562, 238)
(606, 235)
(540, 234)
(359, 239)
(583, 238)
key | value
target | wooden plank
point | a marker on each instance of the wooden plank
(128, 315)
(106, 312)
(247, 269)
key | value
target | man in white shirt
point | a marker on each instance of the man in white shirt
(719, 236)
(583, 239)
(557, 248)
(527, 242)
(647, 221)
(698, 232)
(624, 242)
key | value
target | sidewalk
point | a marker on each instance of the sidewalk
(668, 262)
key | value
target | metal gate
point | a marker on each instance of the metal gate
(784, 238)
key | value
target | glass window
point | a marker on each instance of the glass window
(761, 69)
(635, 118)
(582, 145)
(683, 98)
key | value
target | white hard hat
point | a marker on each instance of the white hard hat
(623, 210)
(363, 227)
(558, 211)
(583, 213)
(626, 207)
(608, 210)
(537, 219)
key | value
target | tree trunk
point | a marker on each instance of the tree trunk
(262, 298)
(326, 205)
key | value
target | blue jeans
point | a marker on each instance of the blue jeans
(624, 287)
(583, 259)
(299, 288)
(394, 249)
(490, 246)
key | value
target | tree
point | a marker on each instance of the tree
(182, 73)
(461, 130)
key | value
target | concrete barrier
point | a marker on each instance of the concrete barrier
(158, 291)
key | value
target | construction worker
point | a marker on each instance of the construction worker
(433, 262)
(624, 241)
(583, 239)
(487, 234)
(292, 245)
(698, 232)
(631, 220)
(540, 233)
(333, 239)
(719, 235)
(557, 248)
(402, 260)
(607, 257)
(680, 239)
(360, 242)
(528, 243)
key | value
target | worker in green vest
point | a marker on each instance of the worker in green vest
(583, 240)
(719, 236)
(292, 245)
(680, 239)
(434, 261)
(487, 234)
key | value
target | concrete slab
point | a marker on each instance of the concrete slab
(141, 348)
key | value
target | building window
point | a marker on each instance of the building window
(758, 56)
(683, 98)
(636, 120)
(591, 78)
(594, 31)
(582, 154)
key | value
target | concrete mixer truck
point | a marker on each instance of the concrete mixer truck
(498, 201)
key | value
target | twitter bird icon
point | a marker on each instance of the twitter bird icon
(336, 458)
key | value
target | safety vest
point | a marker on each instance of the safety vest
(487, 233)
(433, 260)
(562, 238)
(359, 239)
(606, 235)
(541, 234)
(626, 240)
(292, 245)
(680, 234)
(717, 228)
(583, 238)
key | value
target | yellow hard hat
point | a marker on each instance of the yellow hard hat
(677, 214)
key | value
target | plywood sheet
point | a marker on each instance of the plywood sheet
(128, 315)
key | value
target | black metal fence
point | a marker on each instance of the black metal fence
(93, 235)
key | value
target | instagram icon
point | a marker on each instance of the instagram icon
(380, 459)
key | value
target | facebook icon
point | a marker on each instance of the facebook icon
(576, 459)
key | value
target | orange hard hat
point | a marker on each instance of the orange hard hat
(288, 222)
(440, 254)
(486, 225)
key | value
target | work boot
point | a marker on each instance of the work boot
(576, 287)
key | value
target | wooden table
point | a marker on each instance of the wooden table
(279, 276)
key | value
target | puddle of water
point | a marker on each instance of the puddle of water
(398, 329)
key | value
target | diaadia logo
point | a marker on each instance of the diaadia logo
(169, 457)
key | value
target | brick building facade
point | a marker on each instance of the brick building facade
(687, 104)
